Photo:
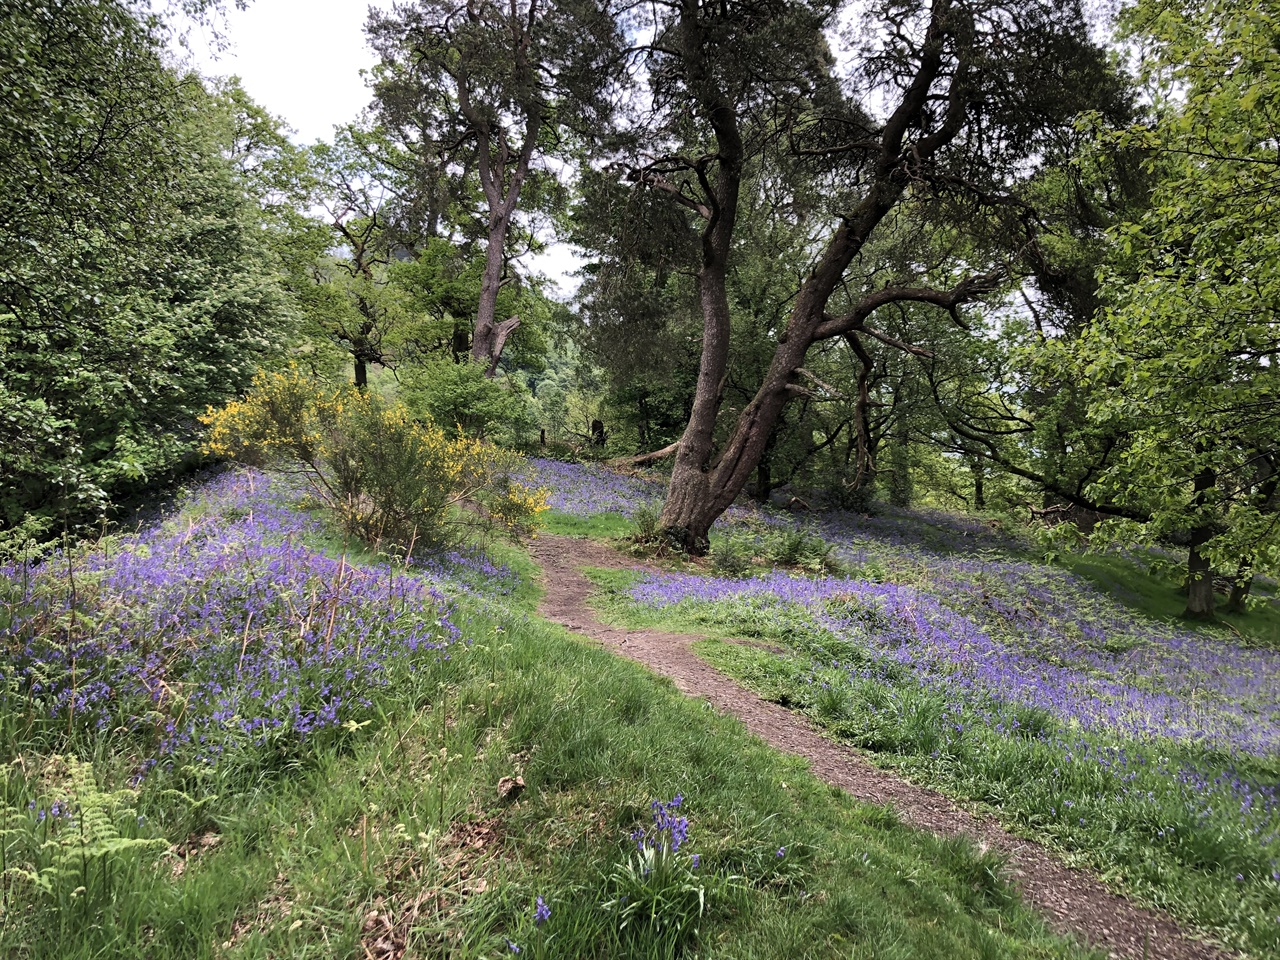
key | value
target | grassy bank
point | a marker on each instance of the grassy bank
(1185, 825)
(224, 740)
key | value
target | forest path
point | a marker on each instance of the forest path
(1072, 900)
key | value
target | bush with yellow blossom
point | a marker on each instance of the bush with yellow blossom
(387, 476)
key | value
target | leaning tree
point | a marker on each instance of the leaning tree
(943, 107)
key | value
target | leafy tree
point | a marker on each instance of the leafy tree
(458, 394)
(135, 289)
(477, 96)
(1185, 357)
(344, 275)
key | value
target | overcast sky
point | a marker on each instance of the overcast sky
(301, 59)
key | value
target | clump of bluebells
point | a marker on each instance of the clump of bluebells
(585, 489)
(220, 633)
(669, 830)
(660, 894)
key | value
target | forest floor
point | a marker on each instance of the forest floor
(1073, 900)
(330, 780)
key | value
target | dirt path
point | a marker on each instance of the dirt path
(1072, 900)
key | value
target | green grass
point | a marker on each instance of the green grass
(597, 526)
(1136, 827)
(399, 834)
(1156, 594)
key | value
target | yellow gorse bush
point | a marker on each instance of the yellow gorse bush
(385, 475)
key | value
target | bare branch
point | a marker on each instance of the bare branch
(969, 289)
(644, 459)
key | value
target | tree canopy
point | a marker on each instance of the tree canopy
(960, 249)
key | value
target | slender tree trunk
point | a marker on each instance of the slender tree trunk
(491, 335)
(502, 193)
(362, 374)
(460, 343)
(642, 421)
(900, 487)
(1199, 572)
(979, 485)
(764, 480)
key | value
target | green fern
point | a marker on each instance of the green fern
(79, 851)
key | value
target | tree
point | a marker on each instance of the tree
(135, 289)
(971, 88)
(477, 95)
(1184, 358)
(344, 274)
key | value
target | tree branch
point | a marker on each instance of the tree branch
(967, 290)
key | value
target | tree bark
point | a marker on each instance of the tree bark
(704, 485)
(1241, 584)
(692, 506)
(490, 336)
(490, 286)
(642, 421)
(764, 481)
(502, 172)
(1199, 571)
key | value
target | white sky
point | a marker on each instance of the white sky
(300, 59)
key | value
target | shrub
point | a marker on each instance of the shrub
(386, 476)
(730, 557)
(646, 524)
(459, 395)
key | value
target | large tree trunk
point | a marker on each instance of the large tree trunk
(692, 505)
(690, 508)
(701, 487)
(1199, 572)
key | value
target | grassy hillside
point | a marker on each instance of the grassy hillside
(228, 736)
(1133, 742)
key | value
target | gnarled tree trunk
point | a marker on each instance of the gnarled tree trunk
(704, 482)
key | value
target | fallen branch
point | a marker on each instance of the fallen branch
(644, 459)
